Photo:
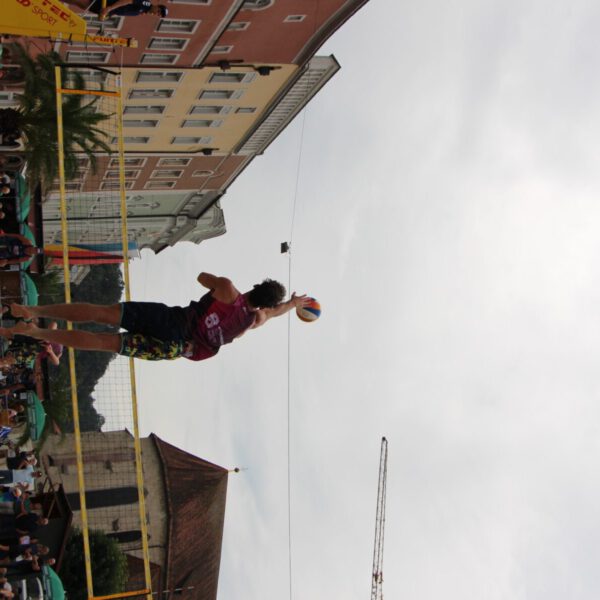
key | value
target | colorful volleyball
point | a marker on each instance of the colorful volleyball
(310, 311)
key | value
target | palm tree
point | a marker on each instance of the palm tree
(35, 119)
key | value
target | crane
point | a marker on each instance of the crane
(377, 576)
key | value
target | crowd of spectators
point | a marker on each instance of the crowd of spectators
(21, 520)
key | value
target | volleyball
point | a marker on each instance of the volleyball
(310, 311)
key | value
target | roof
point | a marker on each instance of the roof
(195, 490)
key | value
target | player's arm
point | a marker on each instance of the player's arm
(222, 288)
(118, 4)
(264, 314)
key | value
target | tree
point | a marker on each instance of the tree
(35, 119)
(109, 566)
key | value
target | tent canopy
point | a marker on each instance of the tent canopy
(53, 586)
(36, 416)
(30, 290)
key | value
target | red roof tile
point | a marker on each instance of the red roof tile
(196, 490)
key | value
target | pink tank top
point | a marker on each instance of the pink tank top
(219, 324)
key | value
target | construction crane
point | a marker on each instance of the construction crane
(377, 577)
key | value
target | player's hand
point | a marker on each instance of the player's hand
(298, 301)
(103, 14)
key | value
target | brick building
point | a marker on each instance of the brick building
(208, 89)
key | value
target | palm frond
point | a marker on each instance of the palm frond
(82, 130)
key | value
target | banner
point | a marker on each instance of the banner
(40, 18)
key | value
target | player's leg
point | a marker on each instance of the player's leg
(80, 340)
(76, 312)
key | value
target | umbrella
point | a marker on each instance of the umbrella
(24, 203)
(36, 416)
(53, 586)
(30, 291)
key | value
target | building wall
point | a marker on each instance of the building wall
(199, 32)
(152, 222)
(174, 196)
(189, 133)
(240, 96)
(109, 465)
(279, 31)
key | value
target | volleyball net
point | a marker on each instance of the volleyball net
(87, 244)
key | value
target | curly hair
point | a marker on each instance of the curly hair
(267, 294)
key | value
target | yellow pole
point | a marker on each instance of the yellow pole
(134, 402)
(88, 93)
(123, 595)
(67, 275)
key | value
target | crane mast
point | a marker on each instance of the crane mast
(377, 576)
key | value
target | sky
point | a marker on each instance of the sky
(446, 217)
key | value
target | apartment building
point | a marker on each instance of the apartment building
(176, 171)
(208, 32)
(206, 91)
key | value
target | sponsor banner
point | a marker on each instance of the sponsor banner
(39, 18)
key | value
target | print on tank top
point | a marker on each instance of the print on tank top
(214, 333)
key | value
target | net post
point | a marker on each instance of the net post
(126, 278)
(72, 372)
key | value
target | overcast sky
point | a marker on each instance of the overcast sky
(447, 219)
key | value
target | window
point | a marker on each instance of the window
(159, 185)
(87, 57)
(93, 76)
(165, 43)
(7, 97)
(191, 140)
(246, 109)
(232, 77)
(70, 186)
(238, 26)
(159, 59)
(113, 22)
(209, 109)
(129, 174)
(140, 123)
(132, 140)
(203, 173)
(159, 76)
(114, 185)
(174, 162)
(201, 123)
(217, 94)
(256, 4)
(294, 18)
(144, 110)
(128, 162)
(139, 94)
(221, 50)
(167, 173)
(177, 25)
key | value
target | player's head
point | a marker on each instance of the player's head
(267, 294)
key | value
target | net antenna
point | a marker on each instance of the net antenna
(377, 573)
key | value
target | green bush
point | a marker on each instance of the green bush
(109, 566)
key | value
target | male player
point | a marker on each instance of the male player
(155, 331)
(122, 8)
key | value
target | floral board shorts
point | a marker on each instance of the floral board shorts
(146, 347)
